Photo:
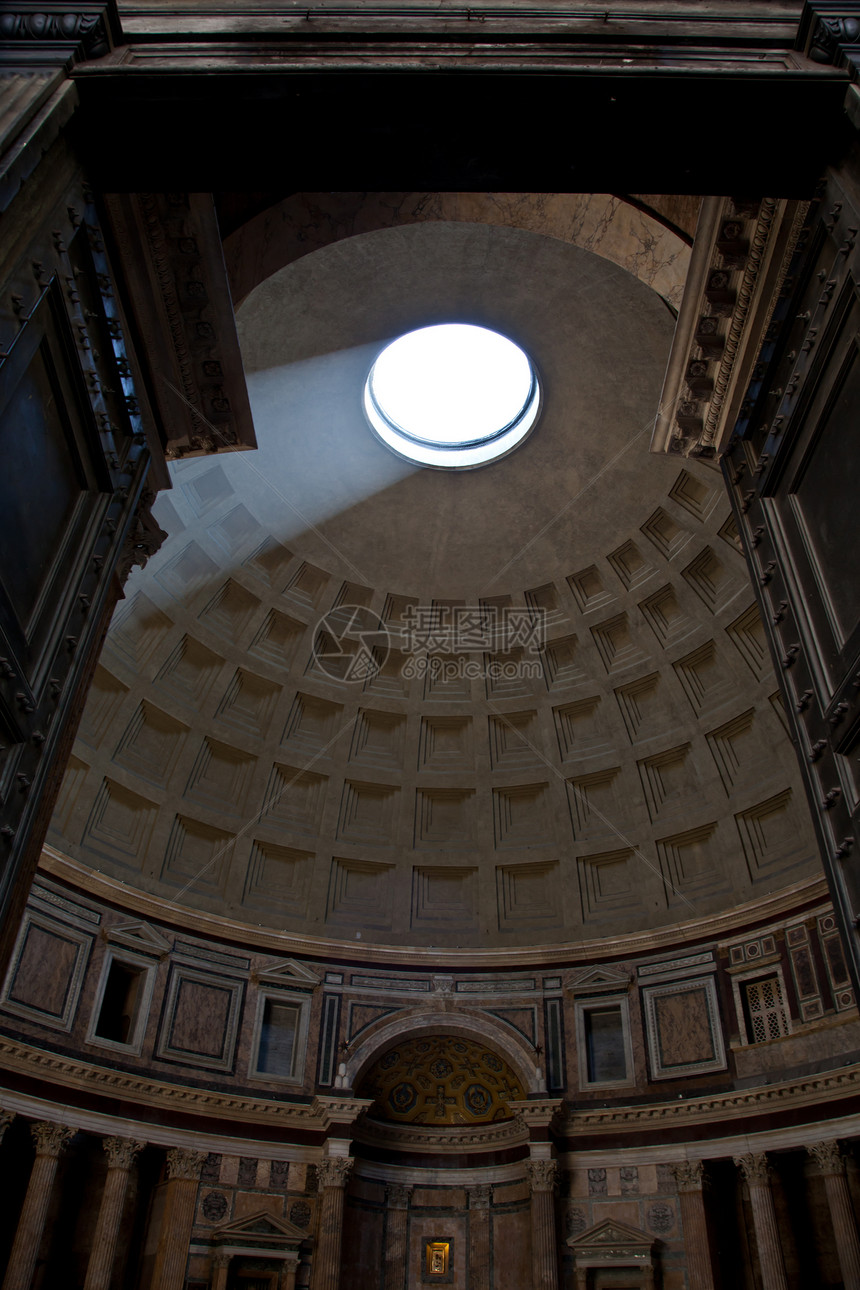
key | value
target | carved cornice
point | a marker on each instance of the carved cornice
(338, 1110)
(537, 1113)
(755, 1168)
(169, 249)
(50, 1139)
(53, 33)
(689, 1175)
(740, 260)
(185, 1164)
(334, 1171)
(542, 1174)
(143, 539)
(826, 1157)
(121, 1151)
(66, 1073)
(814, 1090)
(442, 1139)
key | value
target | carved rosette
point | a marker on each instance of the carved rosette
(50, 1139)
(479, 1196)
(542, 1174)
(398, 1196)
(182, 1163)
(334, 1172)
(755, 1168)
(826, 1157)
(689, 1175)
(121, 1151)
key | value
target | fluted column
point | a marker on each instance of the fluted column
(51, 1140)
(829, 1163)
(542, 1176)
(183, 1169)
(689, 1175)
(333, 1173)
(220, 1269)
(479, 1237)
(756, 1172)
(120, 1153)
(395, 1238)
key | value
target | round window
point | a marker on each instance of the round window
(452, 396)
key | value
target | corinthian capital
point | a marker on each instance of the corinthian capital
(826, 1157)
(121, 1151)
(542, 1174)
(398, 1196)
(334, 1171)
(689, 1175)
(755, 1168)
(50, 1139)
(182, 1163)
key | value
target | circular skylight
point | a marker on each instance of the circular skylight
(454, 395)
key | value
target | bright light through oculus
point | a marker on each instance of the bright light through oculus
(454, 395)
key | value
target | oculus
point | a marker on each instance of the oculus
(453, 396)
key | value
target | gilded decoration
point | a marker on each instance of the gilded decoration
(442, 1080)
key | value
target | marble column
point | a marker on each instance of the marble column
(397, 1221)
(50, 1139)
(479, 1236)
(332, 1173)
(756, 1173)
(183, 1171)
(220, 1269)
(689, 1175)
(828, 1161)
(120, 1153)
(542, 1176)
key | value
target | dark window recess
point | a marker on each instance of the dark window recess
(554, 1045)
(120, 1002)
(604, 1045)
(276, 1054)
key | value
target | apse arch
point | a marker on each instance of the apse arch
(412, 1023)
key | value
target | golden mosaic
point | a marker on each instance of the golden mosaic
(441, 1080)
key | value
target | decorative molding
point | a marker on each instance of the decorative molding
(334, 1171)
(689, 1175)
(121, 1151)
(448, 1139)
(50, 1139)
(83, 31)
(542, 1174)
(185, 1164)
(331, 1109)
(755, 1168)
(156, 909)
(826, 1157)
(813, 1090)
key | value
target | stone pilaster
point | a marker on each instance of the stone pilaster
(333, 1173)
(395, 1239)
(756, 1173)
(220, 1269)
(121, 1153)
(690, 1177)
(479, 1237)
(183, 1169)
(50, 1140)
(828, 1161)
(542, 1176)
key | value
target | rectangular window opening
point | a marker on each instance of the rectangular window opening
(120, 1003)
(276, 1054)
(765, 1010)
(606, 1060)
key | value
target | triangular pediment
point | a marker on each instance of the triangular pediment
(597, 979)
(141, 937)
(261, 1225)
(612, 1232)
(288, 972)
